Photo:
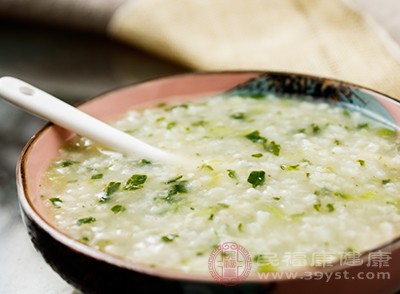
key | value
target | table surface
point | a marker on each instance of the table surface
(73, 66)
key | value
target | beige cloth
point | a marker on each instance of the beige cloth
(322, 37)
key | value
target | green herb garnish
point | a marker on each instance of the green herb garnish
(331, 207)
(256, 178)
(384, 182)
(222, 205)
(85, 220)
(342, 195)
(143, 162)
(361, 162)
(173, 180)
(178, 187)
(317, 206)
(315, 129)
(256, 138)
(362, 126)
(200, 123)
(289, 167)
(257, 155)
(206, 166)
(238, 115)
(118, 209)
(231, 173)
(273, 148)
(171, 124)
(66, 163)
(111, 188)
(169, 238)
(56, 202)
(96, 177)
(135, 182)
(384, 132)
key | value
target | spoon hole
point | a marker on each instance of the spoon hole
(26, 90)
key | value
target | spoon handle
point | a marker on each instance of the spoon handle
(46, 106)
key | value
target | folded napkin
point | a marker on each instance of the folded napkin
(325, 38)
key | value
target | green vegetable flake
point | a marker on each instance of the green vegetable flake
(362, 126)
(111, 188)
(331, 207)
(169, 238)
(96, 177)
(56, 202)
(66, 163)
(135, 182)
(238, 115)
(231, 173)
(256, 138)
(257, 155)
(315, 129)
(361, 162)
(118, 208)
(85, 220)
(289, 167)
(384, 132)
(273, 148)
(173, 180)
(178, 187)
(143, 162)
(206, 166)
(256, 178)
(171, 124)
(317, 206)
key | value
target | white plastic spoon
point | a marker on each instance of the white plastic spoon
(46, 106)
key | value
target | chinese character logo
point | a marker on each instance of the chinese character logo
(229, 264)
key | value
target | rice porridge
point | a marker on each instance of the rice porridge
(275, 175)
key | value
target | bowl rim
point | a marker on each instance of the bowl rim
(31, 211)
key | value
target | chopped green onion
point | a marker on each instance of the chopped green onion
(66, 163)
(206, 166)
(255, 137)
(289, 167)
(135, 182)
(85, 220)
(238, 115)
(273, 148)
(56, 202)
(169, 238)
(231, 173)
(96, 177)
(173, 180)
(111, 188)
(256, 178)
(330, 207)
(118, 209)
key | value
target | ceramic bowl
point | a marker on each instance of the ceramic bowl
(93, 271)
